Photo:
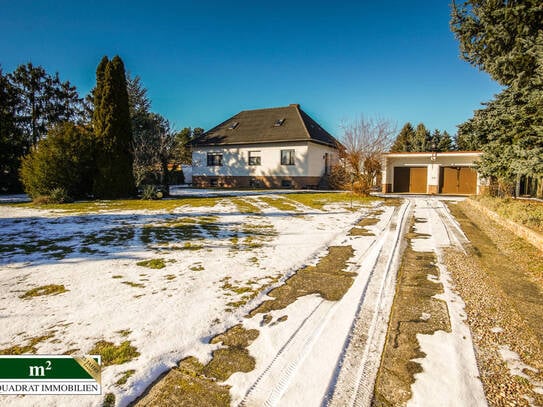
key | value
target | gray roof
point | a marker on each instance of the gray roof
(278, 124)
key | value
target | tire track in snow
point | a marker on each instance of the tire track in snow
(358, 368)
(275, 379)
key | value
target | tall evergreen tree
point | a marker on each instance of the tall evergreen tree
(445, 142)
(42, 101)
(404, 139)
(12, 144)
(505, 39)
(113, 132)
(421, 139)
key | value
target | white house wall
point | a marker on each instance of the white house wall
(309, 160)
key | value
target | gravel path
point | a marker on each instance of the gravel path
(503, 321)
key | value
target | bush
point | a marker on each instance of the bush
(151, 192)
(55, 196)
(61, 165)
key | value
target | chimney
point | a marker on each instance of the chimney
(297, 105)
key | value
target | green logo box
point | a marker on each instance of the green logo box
(45, 367)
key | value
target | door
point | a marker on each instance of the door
(458, 180)
(401, 179)
(467, 181)
(418, 180)
(410, 179)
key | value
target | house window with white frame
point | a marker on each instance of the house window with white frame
(287, 157)
(254, 158)
(214, 159)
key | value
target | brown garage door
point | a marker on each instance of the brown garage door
(410, 179)
(458, 180)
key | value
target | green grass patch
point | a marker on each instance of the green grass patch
(245, 206)
(114, 355)
(109, 400)
(191, 246)
(279, 203)
(117, 276)
(50, 289)
(125, 376)
(124, 204)
(197, 267)
(526, 212)
(152, 263)
(320, 199)
(48, 247)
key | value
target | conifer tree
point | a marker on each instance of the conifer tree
(112, 129)
(421, 139)
(505, 39)
(445, 142)
(404, 139)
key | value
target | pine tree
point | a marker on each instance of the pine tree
(12, 144)
(404, 139)
(445, 142)
(112, 129)
(421, 139)
(504, 39)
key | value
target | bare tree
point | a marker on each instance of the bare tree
(363, 142)
(153, 146)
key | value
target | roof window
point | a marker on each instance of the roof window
(233, 125)
(279, 122)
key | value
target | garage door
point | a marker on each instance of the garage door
(410, 179)
(458, 180)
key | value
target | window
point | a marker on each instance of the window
(287, 157)
(214, 159)
(254, 157)
(233, 125)
(279, 122)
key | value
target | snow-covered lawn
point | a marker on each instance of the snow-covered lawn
(218, 261)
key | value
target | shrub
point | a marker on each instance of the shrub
(61, 165)
(149, 192)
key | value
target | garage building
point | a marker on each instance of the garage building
(452, 173)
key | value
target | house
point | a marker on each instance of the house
(278, 147)
(451, 172)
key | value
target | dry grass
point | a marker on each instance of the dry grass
(30, 347)
(152, 263)
(526, 212)
(50, 289)
(186, 385)
(360, 228)
(320, 199)
(327, 279)
(414, 296)
(193, 384)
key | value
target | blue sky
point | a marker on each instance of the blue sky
(204, 61)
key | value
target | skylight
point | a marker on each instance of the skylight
(279, 122)
(233, 125)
